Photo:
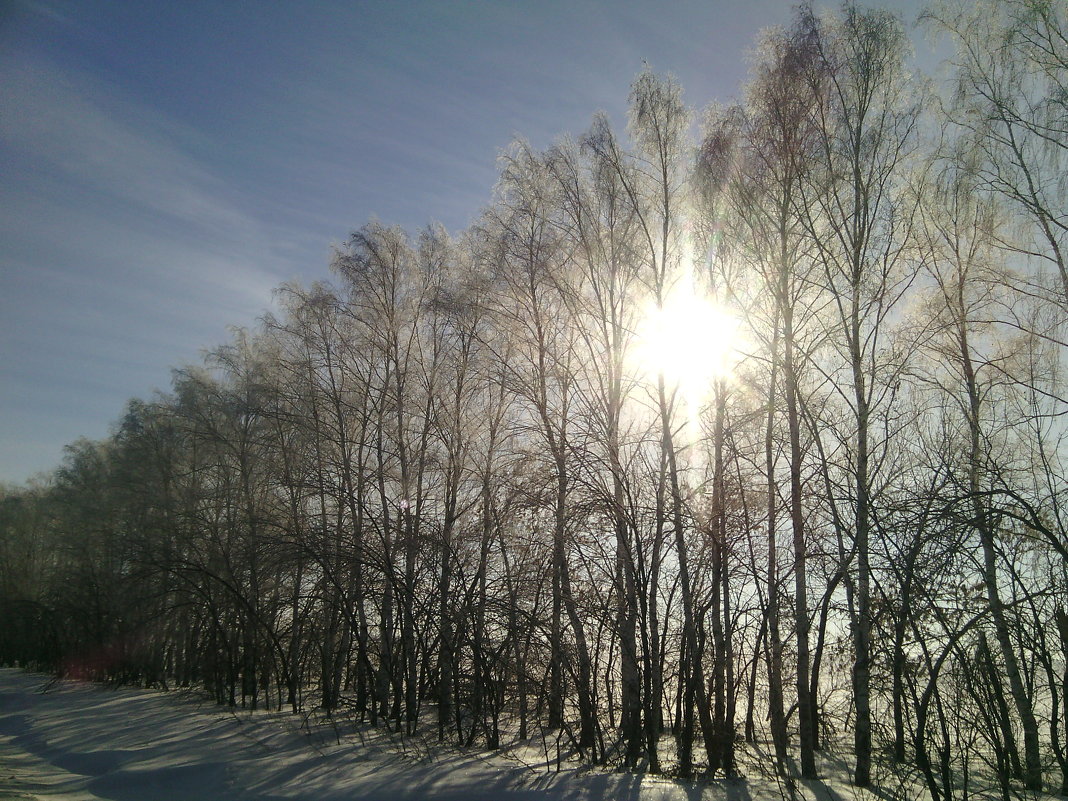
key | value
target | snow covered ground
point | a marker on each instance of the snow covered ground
(68, 741)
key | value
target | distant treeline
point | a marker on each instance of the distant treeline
(445, 482)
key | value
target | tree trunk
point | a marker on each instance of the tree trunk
(985, 527)
(693, 679)
(805, 702)
(1062, 631)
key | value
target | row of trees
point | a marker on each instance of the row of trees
(448, 482)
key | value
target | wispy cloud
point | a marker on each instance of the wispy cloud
(122, 254)
(118, 153)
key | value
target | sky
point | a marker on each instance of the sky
(165, 165)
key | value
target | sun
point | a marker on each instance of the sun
(689, 340)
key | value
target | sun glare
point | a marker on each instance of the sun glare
(688, 339)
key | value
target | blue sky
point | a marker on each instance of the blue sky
(165, 165)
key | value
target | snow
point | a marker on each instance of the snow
(69, 741)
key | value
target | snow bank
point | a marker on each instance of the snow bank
(67, 741)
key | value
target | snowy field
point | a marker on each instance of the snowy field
(75, 742)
